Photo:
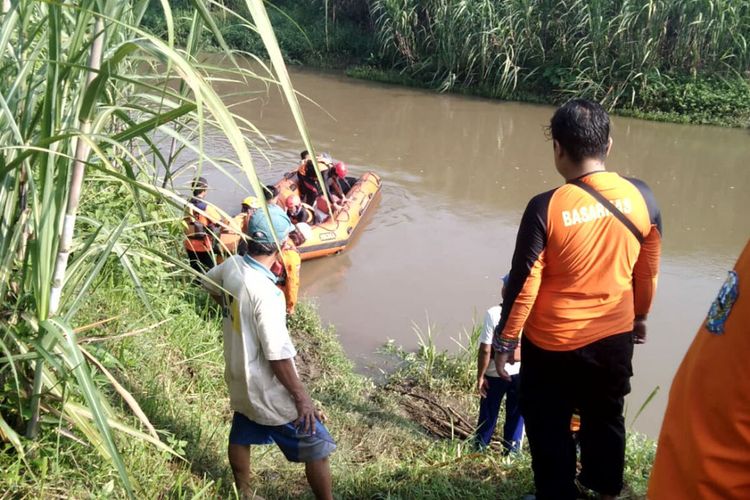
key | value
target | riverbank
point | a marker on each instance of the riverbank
(407, 46)
(707, 101)
(172, 364)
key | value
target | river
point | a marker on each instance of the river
(457, 174)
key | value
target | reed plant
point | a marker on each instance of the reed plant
(87, 92)
(604, 49)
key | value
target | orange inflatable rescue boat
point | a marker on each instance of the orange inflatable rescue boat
(332, 236)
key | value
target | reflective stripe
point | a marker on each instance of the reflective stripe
(199, 244)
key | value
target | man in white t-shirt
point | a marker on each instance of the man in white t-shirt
(492, 389)
(269, 401)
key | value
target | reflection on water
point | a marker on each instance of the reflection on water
(457, 174)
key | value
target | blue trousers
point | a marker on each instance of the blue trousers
(489, 407)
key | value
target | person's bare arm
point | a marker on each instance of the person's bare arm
(307, 414)
(639, 329)
(483, 361)
(212, 283)
(336, 188)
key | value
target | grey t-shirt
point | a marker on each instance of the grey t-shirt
(255, 333)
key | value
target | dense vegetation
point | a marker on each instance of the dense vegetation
(667, 60)
(673, 58)
(87, 93)
(314, 32)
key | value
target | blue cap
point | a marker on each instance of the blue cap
(259, 229)
(504, 279)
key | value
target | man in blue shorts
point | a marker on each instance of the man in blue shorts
(269, 401)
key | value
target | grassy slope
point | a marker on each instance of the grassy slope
(175, 372)
(171, 361)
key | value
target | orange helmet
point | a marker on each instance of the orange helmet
(341, 169)
(293, 201)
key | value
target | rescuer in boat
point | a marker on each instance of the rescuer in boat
(311, 193)
(336, 180)
(309, 188)
(202, 228)
(298, 212)
(334, 176)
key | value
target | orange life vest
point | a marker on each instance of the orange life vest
(197, 226)
(292, 264)
(230, 237)
(288, 273)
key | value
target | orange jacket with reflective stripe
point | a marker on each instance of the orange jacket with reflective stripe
(704, 444)
(578, 274)
(196, 239)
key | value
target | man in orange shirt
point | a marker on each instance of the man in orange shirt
(704, 445)
(292, 262)
(582, 281)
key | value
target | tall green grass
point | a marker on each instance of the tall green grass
(604, 49)
(87, 91)
(314, 32)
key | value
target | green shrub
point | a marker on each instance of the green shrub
(704, 100)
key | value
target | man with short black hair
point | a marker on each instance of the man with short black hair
(582, 282)
(271, 194)
(270, 403)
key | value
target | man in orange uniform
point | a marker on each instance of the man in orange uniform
(582, 281)
(201, 225)
(704, 445)
(287, 269)
(292, 264)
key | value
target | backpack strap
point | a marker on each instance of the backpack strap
(611, 207)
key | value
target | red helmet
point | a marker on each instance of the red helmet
(341, 169)
(293, 201)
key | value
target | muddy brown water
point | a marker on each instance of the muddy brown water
(457, 173)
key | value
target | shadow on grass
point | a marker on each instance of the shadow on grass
(204, 448)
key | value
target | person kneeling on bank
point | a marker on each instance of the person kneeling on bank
(270, 403)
